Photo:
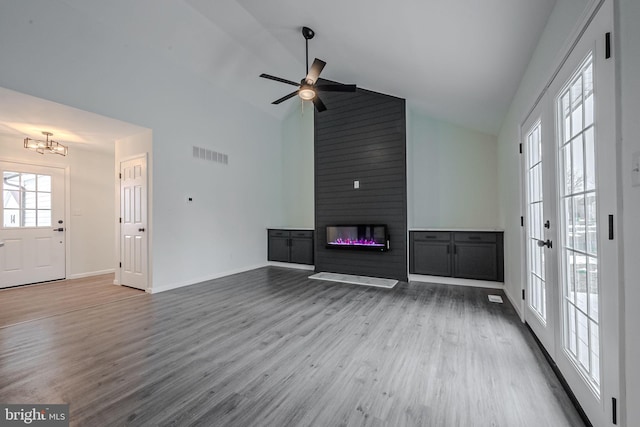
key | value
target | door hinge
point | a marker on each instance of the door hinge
(607, 45)
(120, 175)
(610, 227)
(521, 221)
(521, 148)
(523, 294)
(120, 220)
(614, 410)
(120, 265)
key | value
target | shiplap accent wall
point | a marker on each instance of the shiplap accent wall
(361, 136)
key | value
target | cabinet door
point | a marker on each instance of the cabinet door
(302, 250)
(476, 261)
(278, 246)
(431, 258)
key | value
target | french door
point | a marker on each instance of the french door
(538, 166)
(32, 232)
(571, 212)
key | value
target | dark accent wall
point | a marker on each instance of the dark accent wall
(361, 136)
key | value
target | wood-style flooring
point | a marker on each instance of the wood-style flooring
(271, 348)
(25, 303)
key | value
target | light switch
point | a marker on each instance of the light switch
(356, 184)
(635, 169)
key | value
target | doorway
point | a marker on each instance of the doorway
(33, 232)
(569, 170)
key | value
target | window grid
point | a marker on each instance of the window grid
(537, 283)
(26, 200)
(578, 215)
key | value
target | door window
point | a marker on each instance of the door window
(578, 198)
(26, 200)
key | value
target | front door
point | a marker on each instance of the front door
(133, 207)
(32, 236)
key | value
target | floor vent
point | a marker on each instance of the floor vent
(495, 298)
(210, 155)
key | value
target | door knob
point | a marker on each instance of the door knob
(548, 243)
(59, 229)
(141, 229)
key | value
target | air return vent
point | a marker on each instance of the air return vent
(210, 155)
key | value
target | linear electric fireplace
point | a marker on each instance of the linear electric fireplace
(368, 237)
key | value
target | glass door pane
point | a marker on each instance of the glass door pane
(535, 219)
(579, 226)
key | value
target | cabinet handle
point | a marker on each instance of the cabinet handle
(455, 249)
(448, 250)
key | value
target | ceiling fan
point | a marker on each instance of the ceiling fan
(307, 88)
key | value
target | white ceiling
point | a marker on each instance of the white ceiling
(460, 61)
(24, 115)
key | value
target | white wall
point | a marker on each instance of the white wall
(90, 230)
(629, 67)
(298, 167)
(452, 176)
(161, 76)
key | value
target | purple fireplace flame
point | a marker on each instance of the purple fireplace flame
(361, 242)
(358, 236)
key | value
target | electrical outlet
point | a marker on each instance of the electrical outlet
(635, 169)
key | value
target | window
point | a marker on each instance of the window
(26, 200)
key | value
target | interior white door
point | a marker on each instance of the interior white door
(538, 170)
(33, 229)
(133, 230)
(587, 338)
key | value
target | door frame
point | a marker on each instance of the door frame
(118, 226)
(67, 204)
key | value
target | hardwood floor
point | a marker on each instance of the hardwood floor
(271, 348)
(25, 303)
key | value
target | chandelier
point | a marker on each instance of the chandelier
(49, 145)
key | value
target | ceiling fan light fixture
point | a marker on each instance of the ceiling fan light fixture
(307, 93)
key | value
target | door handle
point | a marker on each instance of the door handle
(59, 229)
(548, 243)
(141, 229)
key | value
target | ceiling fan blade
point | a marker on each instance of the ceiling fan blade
(319, 104)
(278, 79)
(314, 72)
(337, 88)
(284, 98)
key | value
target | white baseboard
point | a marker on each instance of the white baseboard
(170, 286)
(290, 265)
(90, 274)
(517, 305)
(456, 281)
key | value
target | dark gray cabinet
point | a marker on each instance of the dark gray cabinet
(295, 246)
(469, 255)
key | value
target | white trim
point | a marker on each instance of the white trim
(456, 281)
(516, 303)
(90, 274)
(170, 286)
(292, 265)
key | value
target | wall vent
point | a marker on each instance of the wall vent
(210, 155)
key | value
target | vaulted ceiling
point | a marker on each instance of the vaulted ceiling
(459, 61)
